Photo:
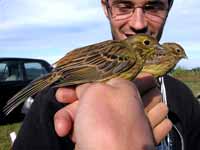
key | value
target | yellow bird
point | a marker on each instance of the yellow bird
(94, 63)
(165, 60)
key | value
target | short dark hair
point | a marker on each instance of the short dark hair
(170, 3)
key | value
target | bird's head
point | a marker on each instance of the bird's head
(145, 44)
(176, 49)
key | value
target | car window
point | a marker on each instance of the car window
(10, 71)
(34, 70)
(3, 71)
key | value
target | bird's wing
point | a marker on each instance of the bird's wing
(30, 90)
(79, 53)
(108, 60)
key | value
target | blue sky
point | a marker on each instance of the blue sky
(48, 29)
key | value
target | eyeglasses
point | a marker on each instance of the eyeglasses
(120, 9)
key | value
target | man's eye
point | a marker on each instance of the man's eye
(154, 7)
(151, 8)
(123, 6)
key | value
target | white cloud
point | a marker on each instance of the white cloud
(54, 26)
(18, 13)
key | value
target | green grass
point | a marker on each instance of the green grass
(190, 78)
(5, 130)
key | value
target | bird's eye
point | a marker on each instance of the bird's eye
(178, 50)
(146, 42)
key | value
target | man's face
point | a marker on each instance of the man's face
(129, 17)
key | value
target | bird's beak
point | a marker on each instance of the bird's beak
(159, 47)
(185, 57)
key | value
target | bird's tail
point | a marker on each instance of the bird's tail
(30, 90)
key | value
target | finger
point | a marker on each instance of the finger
(144, 82)
(161, 131)
(151, 99)
(66, 95)
(157, 114)
(64, 118)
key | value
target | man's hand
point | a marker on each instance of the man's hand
(155, 110)
(109, 116)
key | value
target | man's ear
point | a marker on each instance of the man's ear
(103, 4)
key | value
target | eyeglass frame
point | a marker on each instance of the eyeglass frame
(109, 8)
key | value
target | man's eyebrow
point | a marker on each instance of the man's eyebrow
(133, 1)
(149, 1)
(155, 1)
(122, 0)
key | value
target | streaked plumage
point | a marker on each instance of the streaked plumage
(164, 61)
(94, 63)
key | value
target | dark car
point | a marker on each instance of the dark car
(15, 74)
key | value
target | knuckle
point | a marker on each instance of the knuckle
(99, 87)
(164, 107)
(169, 123)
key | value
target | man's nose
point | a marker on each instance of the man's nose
(138, 21)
